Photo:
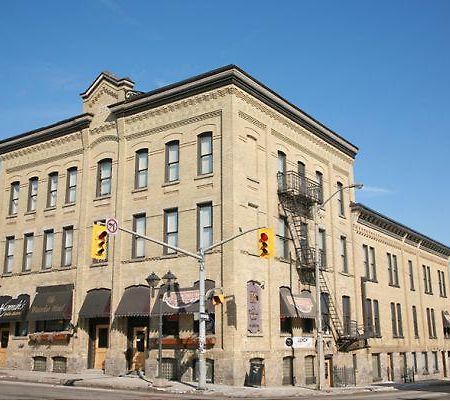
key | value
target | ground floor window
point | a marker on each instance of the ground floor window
(51, 325)
(310, 377)
(435, 362)
(425, 363)
(285, 325)
(414, 354)
(376, 367)
(40, 363)
(21, 329)
(170, 325)
(288, 371)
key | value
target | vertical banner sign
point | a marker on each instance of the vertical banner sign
(254, 307)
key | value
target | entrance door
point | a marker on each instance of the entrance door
(4, 338)
(328, 372)
(139, 346)
(101, 345)
(391, 367)
(444, 363)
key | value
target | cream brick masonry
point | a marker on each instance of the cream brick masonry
(249, 126)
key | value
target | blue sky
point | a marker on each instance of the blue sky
(376, 72)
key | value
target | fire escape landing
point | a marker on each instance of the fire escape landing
(297, 195)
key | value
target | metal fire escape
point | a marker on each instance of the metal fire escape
(297, 195)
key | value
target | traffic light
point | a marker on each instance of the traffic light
(218, 299)
(99, 245)
(265, 243)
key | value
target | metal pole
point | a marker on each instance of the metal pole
(320, 355)
(160, 337)
(202, 323)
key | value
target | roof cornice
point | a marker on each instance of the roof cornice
(47, 133)
(118, 82)
(397, 230)
(231, 75)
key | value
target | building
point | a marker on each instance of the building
(191, 164)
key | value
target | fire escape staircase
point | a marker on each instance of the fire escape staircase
(297, 195)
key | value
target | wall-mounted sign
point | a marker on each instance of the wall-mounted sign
(14, 309)
(299, 342)
(254, 307)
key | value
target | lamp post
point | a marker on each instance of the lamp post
(320, 352)
(153, 279)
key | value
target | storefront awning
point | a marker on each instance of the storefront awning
(52, 303)
(301, 305)
(14, 309)
(96, 304)
(135, 302)
(181, 300)
(446, 319)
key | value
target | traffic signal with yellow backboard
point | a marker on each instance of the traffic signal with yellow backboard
(99, 244)
(266, 246)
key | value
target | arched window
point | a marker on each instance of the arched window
(104, 175)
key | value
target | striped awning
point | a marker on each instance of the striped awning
(301, 305)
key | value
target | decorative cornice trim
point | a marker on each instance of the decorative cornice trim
(252, 120)
(105, 138)
(103, 128)
(174, 125)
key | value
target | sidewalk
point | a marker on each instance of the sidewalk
(134, 383)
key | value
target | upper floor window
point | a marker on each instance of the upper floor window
(340, 198)
(415, 323)
(431, 323)
(392, 270)
(28, 241)
(71, 185)
(322, 248)
(442, 287)
(141, 169)
(32, 194)
(9, 254)
(396, 317)
(282, 238)
(319, 180)
(67, 248)
(369, 262)
(427, 279)
(104, 174)
(346, 314)
(14, 198)
(47, 262)
(411, 275)
(139, 226)
(281, 169)
(205, 153)
(52, 189)
(172, 161)
(170, 230)
(205, 225)
(344, 257)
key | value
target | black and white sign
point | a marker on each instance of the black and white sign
(299, 342)
(112, 226)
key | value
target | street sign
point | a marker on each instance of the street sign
(299, 342)
(112, 226)
(204, 316)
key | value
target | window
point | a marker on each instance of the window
(172, 161)
(392, 270)
(104, 174)
(396, 318)
(445, 325)
(52, 189)
(344, 262)
(307, 325)
(415, 324)
(393, 320)
(32, 194)
(9, 254)
(281, 176)
(340, 198)
(346, 314)
(433, 323)
(376, 319)
(282, 238)
(301, 169)
(170, 230)
(435, 362)
(399, 321)
(368, 326)
(205, 153)
(369, 263)
(51, 325)
(48, 249)
(71, 185)
(141, 169)
(28, 241)
(309, 370)
(430, 329)
(66, 256)
(205, 225)
(322, 248)
(14, 198)
(416, 369)
(442, 287)
(139, 226)
(411, 275)
(325, 309)
(285, 325)
(170, 325)
(376, 367)
(21, 329)
(319, 180)
(430, 288)
(425, 363)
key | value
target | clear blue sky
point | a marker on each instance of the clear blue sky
(376, 72)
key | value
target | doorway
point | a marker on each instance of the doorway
(139, 347)
(4, 339)
(391, 367)
(288, 371)
(444, 364)
(329, 371)
(101, 345)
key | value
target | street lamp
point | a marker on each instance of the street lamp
(153, 279)
(320, 352)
